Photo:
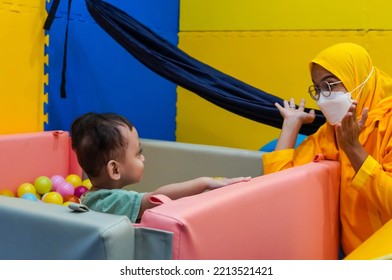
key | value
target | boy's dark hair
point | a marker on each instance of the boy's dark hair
(97, 139)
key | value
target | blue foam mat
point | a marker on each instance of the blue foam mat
(102, 77)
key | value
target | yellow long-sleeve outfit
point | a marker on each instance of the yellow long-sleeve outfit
(365, 197)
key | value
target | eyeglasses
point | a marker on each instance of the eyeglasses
(324, 88)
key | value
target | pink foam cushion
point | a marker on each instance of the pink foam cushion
(292, 214)
(26, 156)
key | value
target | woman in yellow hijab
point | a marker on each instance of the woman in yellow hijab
(356, 99)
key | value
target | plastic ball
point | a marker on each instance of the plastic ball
(7, 193)
(87, 183)
(26, 188)
(65, 189)
(74, 179)
(79, 191)
(53, 197)
(71, 198)
(43, 184)
(29, 196)
(56, 181)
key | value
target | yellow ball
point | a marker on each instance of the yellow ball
(87, 183)
(53, 197)
(74, 179)
(7, 193)
(26, 188)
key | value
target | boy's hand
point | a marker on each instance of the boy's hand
(218, 182)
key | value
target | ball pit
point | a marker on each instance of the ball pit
(57, 189)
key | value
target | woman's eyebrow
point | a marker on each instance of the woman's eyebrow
(329, 76)
(326, 78)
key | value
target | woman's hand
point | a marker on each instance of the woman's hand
(347, 136)
(293, 118)
(290, 111)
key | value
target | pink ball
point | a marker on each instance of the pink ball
(56, 181)
(65, 189)
(79, 191)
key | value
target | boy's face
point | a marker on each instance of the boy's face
(132, 167)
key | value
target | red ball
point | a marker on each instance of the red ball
(79, 191)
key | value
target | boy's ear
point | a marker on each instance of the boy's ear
(113, 169)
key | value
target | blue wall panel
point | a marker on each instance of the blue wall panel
(102, 77)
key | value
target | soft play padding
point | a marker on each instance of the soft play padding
(26, 156)
(377, 246)
(34, 230)
(22, 66)
(292, 214)
(225, 15)
(102, 77)
(169, 162)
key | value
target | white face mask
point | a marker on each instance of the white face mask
(335, 106)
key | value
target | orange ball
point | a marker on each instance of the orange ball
(71, 198)
(7, 193)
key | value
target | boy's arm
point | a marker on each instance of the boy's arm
(188, 188)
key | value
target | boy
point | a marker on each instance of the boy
(109, 151)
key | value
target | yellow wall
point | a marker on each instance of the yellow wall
(22, 65)
(268, 45)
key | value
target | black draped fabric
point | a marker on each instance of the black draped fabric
(168, 61)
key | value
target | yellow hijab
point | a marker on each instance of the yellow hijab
(352, 64)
